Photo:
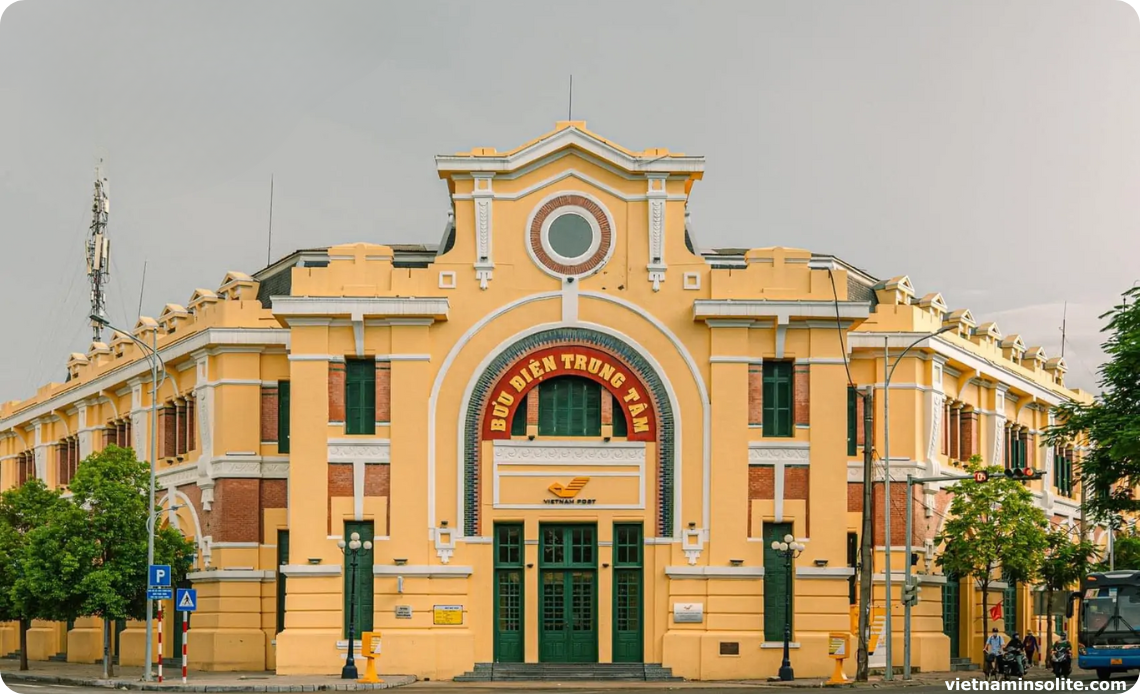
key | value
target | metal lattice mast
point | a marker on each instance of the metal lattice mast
(99, 253)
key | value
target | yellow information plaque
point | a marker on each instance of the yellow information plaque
(448, 614)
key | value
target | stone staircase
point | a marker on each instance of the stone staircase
(567, 672)
(962, 665)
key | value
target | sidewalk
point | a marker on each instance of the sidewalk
(131, 678)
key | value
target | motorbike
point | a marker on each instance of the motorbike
(1011, 664)
(1062, 662)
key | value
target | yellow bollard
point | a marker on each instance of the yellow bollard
(370, 650)
(837, 649)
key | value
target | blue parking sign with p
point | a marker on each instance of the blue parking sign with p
(159, 575)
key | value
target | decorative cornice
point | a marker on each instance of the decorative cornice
(236, 575)
(311, 569)
(772, 453)
(568, 452)
(363, 450)
(422, 571)
(706, 572)
(286, 307)
(781, 310)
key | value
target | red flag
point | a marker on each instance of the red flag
(995, 613)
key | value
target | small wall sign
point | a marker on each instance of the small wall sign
(447, 614)
(688, 612)
(403, 611)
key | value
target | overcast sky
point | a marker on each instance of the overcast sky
(987, 149)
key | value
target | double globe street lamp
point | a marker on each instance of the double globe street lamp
(351, 550)
(789, 549)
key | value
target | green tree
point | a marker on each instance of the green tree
(107, 556)
(1067, 560)
(991, 525)
(1125, 552)
(26, 511)
(1111, 465)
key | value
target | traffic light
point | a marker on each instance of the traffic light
(911, 590)
(1023, 474)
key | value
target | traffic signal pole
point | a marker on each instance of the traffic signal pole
(911, 480)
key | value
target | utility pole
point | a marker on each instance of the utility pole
(99, 254)
(866, 547)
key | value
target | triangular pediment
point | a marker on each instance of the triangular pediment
(569, 135)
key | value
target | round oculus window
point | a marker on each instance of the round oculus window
(570, 235)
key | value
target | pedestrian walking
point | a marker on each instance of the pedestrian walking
(1031, 648)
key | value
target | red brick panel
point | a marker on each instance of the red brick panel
(336, 391)
(946, 429)
(855, 497)
(796, 483)
(755, 394)
(969, 443)
(860, 412)
(236, 512)
(383, 391)
(191, 424)
(898, 513)
(607, 405)
(269, 405)
(169, 432)
(532, 408)
(376, 480)
(955, 431)
(180, 428)
(340, 484)
(274, 494)
(801, 394)
(761, 482)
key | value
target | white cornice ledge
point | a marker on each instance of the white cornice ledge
(374, 307)
(243, 575)
(783, 311)
(838, 572)
(422, 571)
(310, 569)
(699, 572)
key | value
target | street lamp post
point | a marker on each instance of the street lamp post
(155, 364)
(889, 370)
(351, 550)
(789, 549)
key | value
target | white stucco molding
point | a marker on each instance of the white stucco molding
(782, 311)
(422, 571)
(838, 572)
(311, 569)
(286, 307)
(373, 451)
(236, 575)
(570, 137)
(706, 572)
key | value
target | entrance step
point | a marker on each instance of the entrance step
(962, 665)
(564, 672)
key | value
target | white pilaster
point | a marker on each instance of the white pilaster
(656, 197)
(483, 197)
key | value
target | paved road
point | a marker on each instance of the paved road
(576, 688)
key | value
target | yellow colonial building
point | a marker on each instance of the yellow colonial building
(569, 431)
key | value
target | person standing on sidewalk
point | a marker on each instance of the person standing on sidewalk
(994, 646)
(1031, 649)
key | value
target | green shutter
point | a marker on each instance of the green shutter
(852, 421)
(569, 406)
(364, 587)
(283, 416)
(518, 424)
(777, 398)
(282, 560)
(1009, 605)
(775, 582)
(360, 397)
(621, 427)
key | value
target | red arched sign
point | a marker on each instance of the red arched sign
(509, 393)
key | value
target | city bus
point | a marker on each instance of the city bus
(1108, 632)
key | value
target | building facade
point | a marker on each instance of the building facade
(570, 433)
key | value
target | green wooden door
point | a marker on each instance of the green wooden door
(628, 608)
(282, 560)
(568, 594)
(509, 556)
(776, 584)
(951, 612)
(364, 587)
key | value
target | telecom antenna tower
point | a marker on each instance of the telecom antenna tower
(99, 253)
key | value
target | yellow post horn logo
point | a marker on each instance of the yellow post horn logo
(569, 491)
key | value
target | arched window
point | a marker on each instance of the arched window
(570, 406)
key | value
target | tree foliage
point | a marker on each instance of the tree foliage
(111, 491)
(1111, 465)
(991, 525)
(1125, 552)
(25, 512)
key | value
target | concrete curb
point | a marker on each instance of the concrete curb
(390, 682)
